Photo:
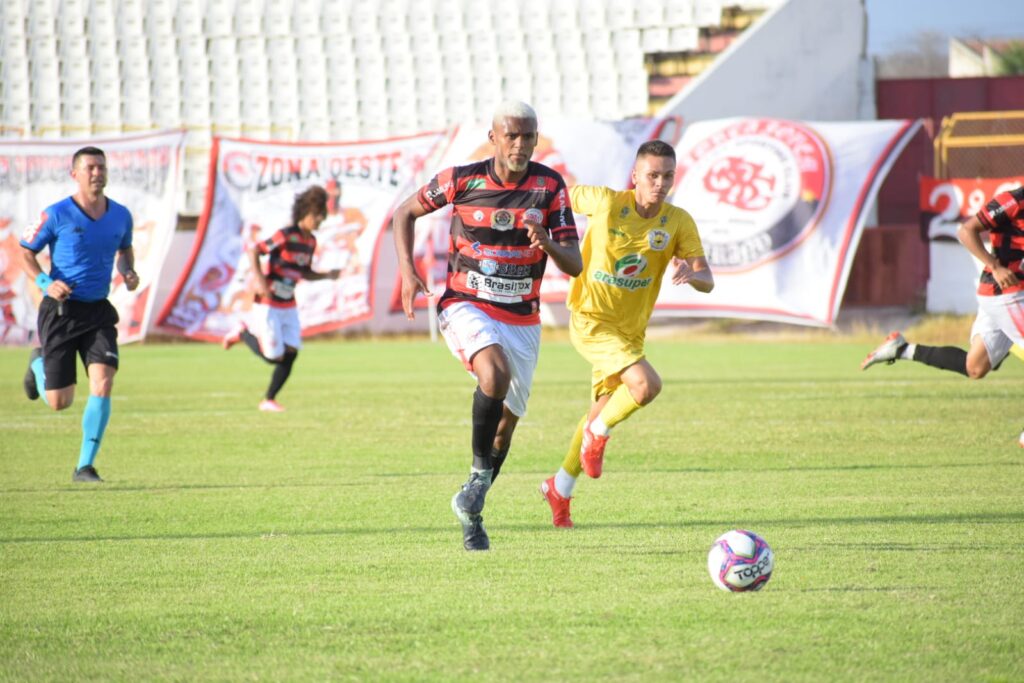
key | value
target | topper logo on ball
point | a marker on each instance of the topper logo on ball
(756, 189)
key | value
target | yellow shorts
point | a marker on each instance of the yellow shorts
(604, 347)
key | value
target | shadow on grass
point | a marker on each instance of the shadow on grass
(974, 518)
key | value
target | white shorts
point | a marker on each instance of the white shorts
(275, 328)
(1000, 324)
(467, 330)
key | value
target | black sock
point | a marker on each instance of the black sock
(497, 460)
(486, 416)
(949, 358)
(282, 369)
(254, 344)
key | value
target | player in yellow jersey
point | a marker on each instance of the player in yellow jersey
(632, 237)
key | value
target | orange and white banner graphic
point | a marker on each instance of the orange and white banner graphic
(780, 206)
(143, 174)
(253, 185)
(947, 203)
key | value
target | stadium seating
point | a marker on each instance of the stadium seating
(316, 69)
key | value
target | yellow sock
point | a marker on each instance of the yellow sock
(620, 406)
(571, 464)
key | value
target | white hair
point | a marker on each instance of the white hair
(511, 109)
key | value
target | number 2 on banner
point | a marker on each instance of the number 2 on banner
(946, 222)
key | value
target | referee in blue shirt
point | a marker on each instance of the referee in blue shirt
(83, 232)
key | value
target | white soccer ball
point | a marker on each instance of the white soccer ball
(740, 561)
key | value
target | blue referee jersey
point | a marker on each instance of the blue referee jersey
(82, 250)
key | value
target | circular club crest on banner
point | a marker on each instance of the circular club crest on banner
(755, 188)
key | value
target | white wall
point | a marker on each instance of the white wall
(803, 60)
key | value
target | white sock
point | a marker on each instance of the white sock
(908, 352)
(598, 427)
(564, 483)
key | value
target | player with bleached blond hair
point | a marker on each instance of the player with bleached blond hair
(510, 214)
(632, 237)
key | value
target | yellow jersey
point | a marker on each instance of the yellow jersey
(625, 256)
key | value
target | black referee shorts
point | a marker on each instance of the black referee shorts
(88, 328)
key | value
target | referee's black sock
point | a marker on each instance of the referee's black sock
(950, 358)
(282, 369)
(486, 416)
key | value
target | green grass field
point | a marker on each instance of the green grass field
(318, 544)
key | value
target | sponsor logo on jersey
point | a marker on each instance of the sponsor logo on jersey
(539, 181)
(478, 216)
(615, 232)
(664, 220)
(492, 267)
(503, 219)
(756, 188)
(497, 288)
(505, 252)
(534, 216)
(658, 239)
(627, 269)
(476, 183)
(624, 212)
(630, 266)
(439, 191)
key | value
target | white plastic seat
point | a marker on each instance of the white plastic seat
(564, 15)
(535, 16)
(707, 12)
(41, 19)
(683, 38)
(650, 13)
(159, 18)
(188, 18)
(620, 14)
(248, 19)
(130, 20)
(592, 16)
(14, 19)
(136, 107)
(364, 18)
(73, 48)
(277, 18)
(334, 17)
(218, 19)
(506, 18)
(679, 12)
(306, 17)
(654, 40)
(422, 17)
(70, 17)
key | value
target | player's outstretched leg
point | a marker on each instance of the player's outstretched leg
(32, 381)
(467, 504)
(886, 352)
(234, 336)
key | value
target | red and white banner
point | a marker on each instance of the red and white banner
(253, 185)
(780, 206)
(143, 174)
(583, 152)
(946, 203)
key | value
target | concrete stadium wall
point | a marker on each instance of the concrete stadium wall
(805, 59)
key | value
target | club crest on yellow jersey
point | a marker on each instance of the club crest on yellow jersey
(658, 239)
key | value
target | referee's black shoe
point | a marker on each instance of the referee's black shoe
(30, 377)
(87, 473)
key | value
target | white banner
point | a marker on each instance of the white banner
(143, 175)
(253, 185)
(780, 206)
(583, 152)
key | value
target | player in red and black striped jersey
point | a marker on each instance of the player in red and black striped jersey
(290, 257)
(1000, 320)
(509, 215)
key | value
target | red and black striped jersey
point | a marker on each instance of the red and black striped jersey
(490, 261)
(291, 258)
(1004, 218)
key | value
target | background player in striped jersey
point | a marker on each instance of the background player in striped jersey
(509, 215)
(632, 237)
(1000, 320)
(84, 232)
(290, 251)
